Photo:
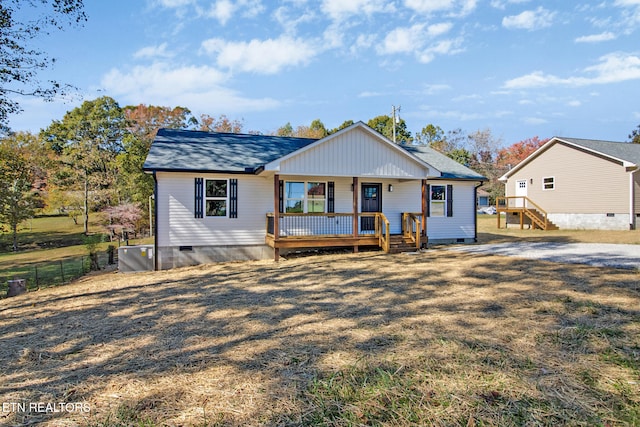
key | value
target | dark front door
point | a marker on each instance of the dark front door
(371, 202)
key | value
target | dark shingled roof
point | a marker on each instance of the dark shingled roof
(449, 168)
(195, 151)
(620, 150)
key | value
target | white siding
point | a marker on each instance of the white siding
(462, 224)
(355, 153)
(177, 225)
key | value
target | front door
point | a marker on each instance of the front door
(521, 191)
(371, 202)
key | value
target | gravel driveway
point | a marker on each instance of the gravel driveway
(596, 254)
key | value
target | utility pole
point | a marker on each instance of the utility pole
(395, 119)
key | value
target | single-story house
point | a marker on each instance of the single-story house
(223, 197)
(576, 184)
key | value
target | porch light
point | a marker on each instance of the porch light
(390, 188)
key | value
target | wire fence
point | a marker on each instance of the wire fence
(54, 273)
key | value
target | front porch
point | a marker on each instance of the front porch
(325, 230)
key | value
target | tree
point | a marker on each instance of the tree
(87, 141)
(344, 125)
(122, 219)
(286, 130)
(143, 122)
(20, 63)
(515, 153)
(384, 125)
(634, 136)
(222, 124)
(430, 135)
(17, 198)
(484, 150)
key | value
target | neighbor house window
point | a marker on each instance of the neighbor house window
(305, 197)
(438, 200)
(215, 197)
(549, 183)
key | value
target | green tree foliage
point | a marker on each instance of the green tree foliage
(430, 135)
(344, 125)
(143, 122)
(20, 61)
(384, 125)
(18, 200)
(286, 130)
(634, 136)
(87, 140)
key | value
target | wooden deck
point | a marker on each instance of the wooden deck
(525, 208)
(297, 231)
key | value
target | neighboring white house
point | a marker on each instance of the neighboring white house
(223, 196)
(579, 183)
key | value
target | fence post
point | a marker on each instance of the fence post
(62, 271)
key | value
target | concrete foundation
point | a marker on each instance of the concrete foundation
(183, 256)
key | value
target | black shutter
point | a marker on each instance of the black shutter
(233, 198)
(449, 200)
(428, 196)
(197, 203)
(331, 197)
(281, 191)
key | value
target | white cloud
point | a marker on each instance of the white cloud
(223, 10)
(414, 39)
(535, 120)
(596, 38)
(627, 3)
(529, 20)
(613, 68)
(172, 4)
(340, 10)
(456, 7)
(443, 47)
(403, 40)
(153, 52)
(502, 4)
(201, 88)
(261, 56)
(574, 103)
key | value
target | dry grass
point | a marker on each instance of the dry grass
(435, 338)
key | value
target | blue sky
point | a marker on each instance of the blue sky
(521, 68)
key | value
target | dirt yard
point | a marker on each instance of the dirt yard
(436, 338)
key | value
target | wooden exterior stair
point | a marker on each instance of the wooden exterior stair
(399, 243)
(525, 208)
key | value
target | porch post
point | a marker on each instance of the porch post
(424, 208)
(355, 212)
(276, 216)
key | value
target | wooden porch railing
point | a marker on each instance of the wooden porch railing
(382, 231)
(526, 206)
(301, 226)
(411, 228)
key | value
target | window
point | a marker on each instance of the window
(215, 197)
(549, 183)
(438, 200)
(305, 197)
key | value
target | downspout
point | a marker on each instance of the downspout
(632, 200)
(475, 211)
(155, 222)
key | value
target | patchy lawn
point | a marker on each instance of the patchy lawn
(436, 338)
